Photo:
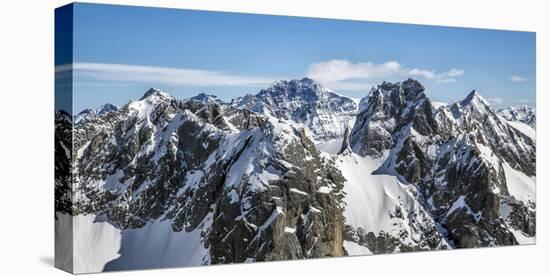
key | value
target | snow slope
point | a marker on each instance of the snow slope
(94, 243)
(524, 128)
(373, 199)
(156, 245)
(437, 105)
(522, 238)
(379, 192)
(521, 186)
(99, 246)
(332, 146)
(355, 249)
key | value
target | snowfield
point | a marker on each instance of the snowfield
(157, 246)
(99, 246)
(94, 243)
(525, 129)
(331, 146)
(371, 199)
(520, 186)
(355, 249)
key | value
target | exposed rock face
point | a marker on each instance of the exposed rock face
(250, 183)
(454, 157)
(246, 176)
(322, 112)
(523, 114)
(390, 108)
(63, 157)
(88, 114)
(345, 148)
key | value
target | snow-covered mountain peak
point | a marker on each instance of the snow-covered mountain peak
(473, 105)
(412, 86)
(296, 171)
(390, 108)
(155, 96)
(474, 98)
(88, 114)
(106, 108)
(323, 113)
(85, 114)
(521, 114)
(150, 101)
(408, 90)
(154, 93)
(306, 89)
(206, 98)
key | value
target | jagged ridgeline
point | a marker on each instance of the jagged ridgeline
(296, 171)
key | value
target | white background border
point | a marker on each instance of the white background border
(26, 135)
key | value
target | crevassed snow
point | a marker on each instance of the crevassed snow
(520, 186)
(355, 249)
(524, 128)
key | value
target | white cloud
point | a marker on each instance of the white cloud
(455, 73)
(497, 100)
(429, 74)
(516, 78)
(152, 74)
(525, 101)
(448, 80)
(338, 74)
(432, 75)
(340, 70)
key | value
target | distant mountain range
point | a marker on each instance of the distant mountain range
(296, 171)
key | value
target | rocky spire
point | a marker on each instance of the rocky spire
(345, 149)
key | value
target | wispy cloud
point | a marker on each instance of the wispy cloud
(516, 78)
(447, 80)
(166, 75)
(443, 77)
(337, 72)
(341, 69)
(496, 100)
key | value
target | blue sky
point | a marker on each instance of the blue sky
(121, 51)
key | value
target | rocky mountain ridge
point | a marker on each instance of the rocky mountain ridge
(245, 181)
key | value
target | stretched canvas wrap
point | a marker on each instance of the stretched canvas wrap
(194, 138)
